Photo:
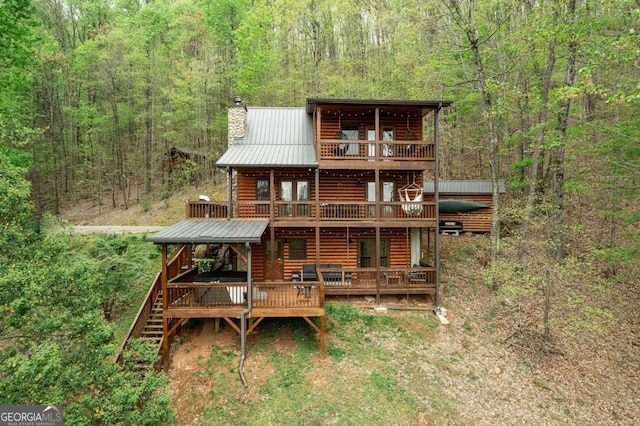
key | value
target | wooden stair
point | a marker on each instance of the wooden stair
(153, 328)
(152, 332)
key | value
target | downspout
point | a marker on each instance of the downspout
(436, 196)
(229, 192)
(243, 314)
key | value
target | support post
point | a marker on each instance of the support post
(322, 330)
(165, 305)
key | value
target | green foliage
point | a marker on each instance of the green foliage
(15, 206)
(17, 61)
(52, 291)
(62, 345)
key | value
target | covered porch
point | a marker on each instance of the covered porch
(229, 294)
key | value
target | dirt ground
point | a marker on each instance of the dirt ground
(592, 380)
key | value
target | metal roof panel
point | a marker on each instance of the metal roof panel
(464, 186)
(275, 137)
(203, 231)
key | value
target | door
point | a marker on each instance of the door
(352, 133)
(370, 196)
(262, 194)
(371, 256)
(388, 134)
(388, 192)
(302, 194)
(371, 136)
(286, 194)
(273, 263)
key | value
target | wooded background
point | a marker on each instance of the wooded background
(545, 93)
(95, 93)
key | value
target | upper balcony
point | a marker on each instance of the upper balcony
(381, 134)
(330, 213)
(380, 154)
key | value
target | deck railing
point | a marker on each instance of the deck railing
(141, 317)
(340, 149)
(327, 210)
(174, 266)
(384, 279)
(277, 295)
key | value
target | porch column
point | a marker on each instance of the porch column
(378, 274)
(436, 114)
(377, 137)
(229, 192)
(272, 229)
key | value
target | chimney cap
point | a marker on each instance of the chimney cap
(237, 100)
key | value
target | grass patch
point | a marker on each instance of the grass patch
(375, 372)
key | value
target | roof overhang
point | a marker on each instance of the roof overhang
(425, 106)
(276, 156)
(212, 231)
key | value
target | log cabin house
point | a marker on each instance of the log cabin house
(323, 200)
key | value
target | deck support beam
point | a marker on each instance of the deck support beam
(254, 325)
(233, 325)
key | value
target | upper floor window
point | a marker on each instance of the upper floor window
(263, 193)
(349, 132)
(262, 190)
(295, 191)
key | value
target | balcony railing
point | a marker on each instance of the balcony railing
(306, 210)
(339, 149)
(276, 295)
(299, 294)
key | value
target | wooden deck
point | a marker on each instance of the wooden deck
(228, 300)
(327, 211)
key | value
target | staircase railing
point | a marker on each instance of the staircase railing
(174, 267)
(141, 318)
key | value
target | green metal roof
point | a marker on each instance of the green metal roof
(275, 137)
(204, 231)
(464, 186)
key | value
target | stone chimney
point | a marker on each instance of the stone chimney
(237, 116)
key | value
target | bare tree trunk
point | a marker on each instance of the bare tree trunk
(533, 185)
(547, 305)
(466, 22)
(559, 152)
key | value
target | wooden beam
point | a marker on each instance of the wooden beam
(312, 324)
(322, 331)
(238, 253)
(178, 323)
(233, 325)
(254, 325)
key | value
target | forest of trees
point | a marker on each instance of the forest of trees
(94, 93)
(545, 93)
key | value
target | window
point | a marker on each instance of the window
(388, 134)
(388, 191)
(298, 249)
(262, 194)
(352, 133)
(388, 196)
(298, 191)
